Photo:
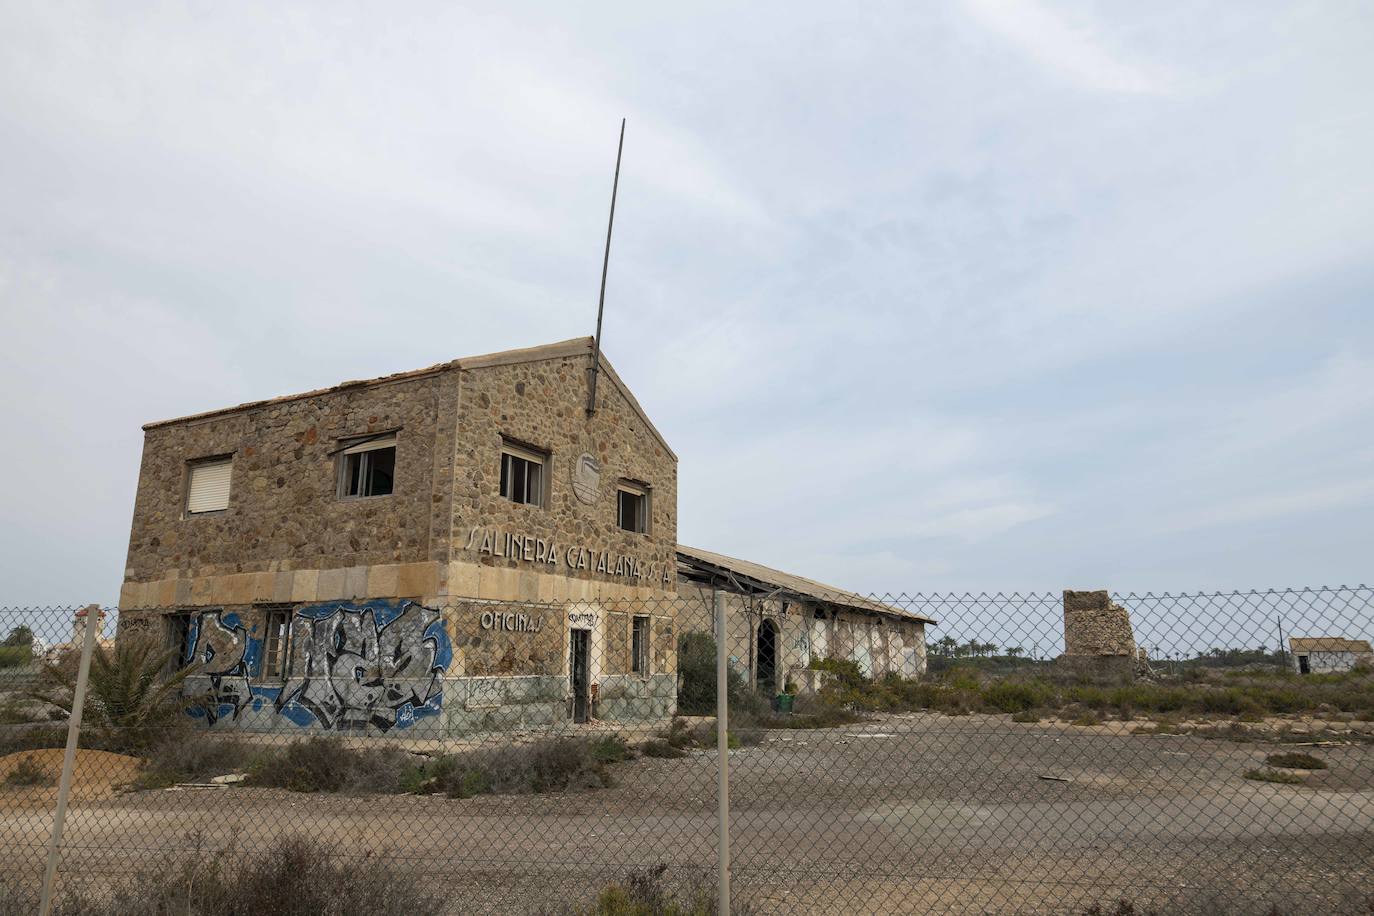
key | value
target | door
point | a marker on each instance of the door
(768, 658)
(579, 674)
(1304, 665)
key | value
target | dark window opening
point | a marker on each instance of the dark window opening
(522, 476)
(632, 509)
(368, 469)
(179, 638)
(639, 645)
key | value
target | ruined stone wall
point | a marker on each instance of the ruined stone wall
(1095, 626)
(286, 535)
(568, 548)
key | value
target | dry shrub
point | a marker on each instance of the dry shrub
(196, 757)
(327, 765)
(29, 772)
(296, 876)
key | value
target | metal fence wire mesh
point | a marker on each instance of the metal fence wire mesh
(1026, 753)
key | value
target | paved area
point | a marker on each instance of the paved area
(912, 813)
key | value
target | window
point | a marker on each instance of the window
(632, 507)
(208, 489)
(522, 474)
(276, 644)
(368, 467)
(639, 645)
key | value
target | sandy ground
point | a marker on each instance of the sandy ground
(903, 814)
(95, 775)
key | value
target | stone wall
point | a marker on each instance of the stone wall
(878, 644)
(286, 535)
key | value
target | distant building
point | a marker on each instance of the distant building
(1324, 654)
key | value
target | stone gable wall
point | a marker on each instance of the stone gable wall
(542, 405)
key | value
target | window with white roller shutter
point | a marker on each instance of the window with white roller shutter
(209, 486)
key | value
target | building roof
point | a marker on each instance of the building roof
(574, 347)
(704, 565)
(1328, 644)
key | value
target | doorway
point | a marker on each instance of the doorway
(1304, 665)
(767, 679)
(579, 673)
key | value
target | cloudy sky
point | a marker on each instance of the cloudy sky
(980, 295)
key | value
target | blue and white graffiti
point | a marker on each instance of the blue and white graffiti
(220, 648)
(377, 664)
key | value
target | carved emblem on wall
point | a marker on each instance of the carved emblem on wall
(586, 478)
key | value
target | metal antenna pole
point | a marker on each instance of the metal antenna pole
(605, 263)
(1283, 650)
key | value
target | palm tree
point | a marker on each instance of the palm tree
(131, 699)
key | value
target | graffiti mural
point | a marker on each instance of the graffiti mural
(379, 664)
(218, 647)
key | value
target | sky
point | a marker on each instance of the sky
(972, 296)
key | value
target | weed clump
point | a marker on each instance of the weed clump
(1266, 775)
(660, 747)
(29, 772)
(1295, 761)
(646, 893)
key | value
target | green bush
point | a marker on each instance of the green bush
(696, 665)
(15, 656)
(1288, 779)
(846, 671)
(1295, 761)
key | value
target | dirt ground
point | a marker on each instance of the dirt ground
(915, 813)
(95, 775)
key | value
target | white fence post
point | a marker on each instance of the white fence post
(723, 755)
(64, 786)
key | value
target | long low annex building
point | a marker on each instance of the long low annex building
(777, 622)
(468, 547)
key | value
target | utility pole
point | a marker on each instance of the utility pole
(605, 264)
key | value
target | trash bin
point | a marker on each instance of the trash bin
(783, 703)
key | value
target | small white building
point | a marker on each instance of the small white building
(1326, 654)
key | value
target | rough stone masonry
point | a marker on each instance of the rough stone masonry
(1097, 635)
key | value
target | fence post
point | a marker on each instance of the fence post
(722, 756)
(64, 786)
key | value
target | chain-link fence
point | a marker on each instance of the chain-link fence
(1073, 753)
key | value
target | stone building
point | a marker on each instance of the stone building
(777, 622)
(1329, 654)
(462, 547)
